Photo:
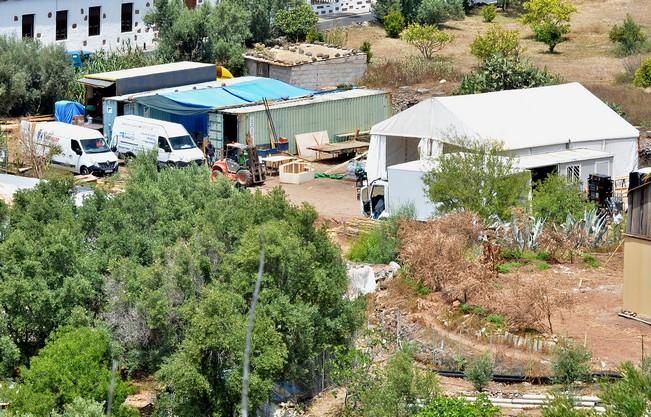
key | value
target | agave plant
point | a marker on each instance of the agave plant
(522, 231)
(588, 231)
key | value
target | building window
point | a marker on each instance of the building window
(574, 173)
(62, 25)
(28, 26)
(127, 17)
(94, 20)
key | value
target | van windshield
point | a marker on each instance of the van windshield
(182, 142)
(94, 145)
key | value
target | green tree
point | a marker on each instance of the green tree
(394, 22)
(482, 178)
(571, 363)
(629, 36)
(44, 264)
(190, 37)
(555, 198)
(263, 13)
(496, 41)
(164, 14)
(480, 371)
(204, 376)
(499, 73)
(549, 20)
(629, 396)
(76, 363)
(32, 76)
(435, 12)
(231, 27)
(296, 23)
(643, 74)
(428, 39)
(381, 8)
(459, 407)
(80, 407)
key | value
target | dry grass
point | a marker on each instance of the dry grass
(588, 56)
(407, 71)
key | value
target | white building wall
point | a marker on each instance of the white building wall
(111, 35)
(324, 7)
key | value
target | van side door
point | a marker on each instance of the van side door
(74, 155)
(164, 150)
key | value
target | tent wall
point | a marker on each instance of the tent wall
(406, 188)
(385, 152)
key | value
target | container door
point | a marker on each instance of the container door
(216, 133)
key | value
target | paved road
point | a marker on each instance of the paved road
(328, 22)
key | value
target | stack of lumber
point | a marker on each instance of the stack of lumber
(13, 125)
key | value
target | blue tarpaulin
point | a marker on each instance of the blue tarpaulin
(209, 98)
(65, 110)
(258, 89)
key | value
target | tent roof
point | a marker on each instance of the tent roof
(520, 118)
(561, 157)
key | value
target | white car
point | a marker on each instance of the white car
(132, 135)
(81, 150)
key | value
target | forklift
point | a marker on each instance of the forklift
(241, 165)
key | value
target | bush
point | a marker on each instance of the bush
(337, 36)
(472, 309)
(496, 41)
(629, 396)
(435, 12)
(571, 363)
(555, 198)
(499, 73)
(480, 371)
(496, 319)
(394, 22)
(511, 253)
(505, 268)
(489, 13)
(629, 36)
(314, 35)
(459, 407)
(380, 244)
(643, 74)
(590, 260)
(562, 405)
(366, 48)
(542, 266)
(426, 38)
(381, 8)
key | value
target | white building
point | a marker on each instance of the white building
(562, 128)
(324, 7)
(81, 24)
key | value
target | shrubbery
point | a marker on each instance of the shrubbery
(499, 73)
(489, 13)
(426, 38)
(549, 20)
(571, 363)
(435, 12)
(496, 41)
(643, 74)
(479, 371)
(459, 407)
(296, 22)
(555, 198)
(629, 36)
(394, 22)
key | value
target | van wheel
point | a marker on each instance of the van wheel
(84, 171)
(171, 165)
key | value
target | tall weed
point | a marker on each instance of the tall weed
(407, 71)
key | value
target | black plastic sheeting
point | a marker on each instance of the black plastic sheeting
(535, 380)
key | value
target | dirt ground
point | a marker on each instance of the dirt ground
(587, 57)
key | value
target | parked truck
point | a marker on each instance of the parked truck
(403, 187)
(132, 135)
(80, 150)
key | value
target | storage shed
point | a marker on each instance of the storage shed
(308, 65)
(562, 128)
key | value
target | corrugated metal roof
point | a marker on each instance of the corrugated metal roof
(182, 88)
(150, 70)
(561, 157)
(319, 98)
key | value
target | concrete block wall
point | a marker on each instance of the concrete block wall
(318, 74)
(325, 7)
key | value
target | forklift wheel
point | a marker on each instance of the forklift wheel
(216, 173)
(245, 178)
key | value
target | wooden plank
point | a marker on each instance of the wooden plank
(350, 145)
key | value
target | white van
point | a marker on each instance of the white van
(83, 150)
(134, 134)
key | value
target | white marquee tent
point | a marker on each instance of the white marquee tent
(544, 120)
